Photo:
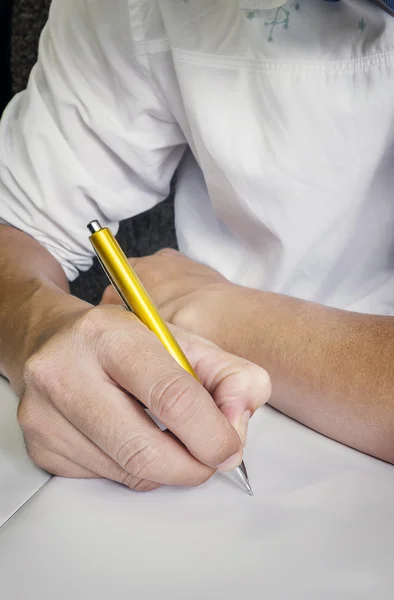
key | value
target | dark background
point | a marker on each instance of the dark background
(5, 51)
(21, 22)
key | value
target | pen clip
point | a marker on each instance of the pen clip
(117, 290)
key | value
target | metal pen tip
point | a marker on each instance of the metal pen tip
(245, 479)
(249, 489)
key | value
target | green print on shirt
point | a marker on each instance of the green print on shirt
(282, 17)
(362, 25)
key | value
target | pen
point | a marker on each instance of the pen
(136, 299)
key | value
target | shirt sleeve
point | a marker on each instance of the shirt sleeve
(91, 137)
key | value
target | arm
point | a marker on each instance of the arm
(331, 370)
(34, 293)
(91, 137)
(65, 158)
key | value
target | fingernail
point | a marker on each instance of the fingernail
(231, 463)
(241, 425)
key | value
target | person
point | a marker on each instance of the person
(279, 118)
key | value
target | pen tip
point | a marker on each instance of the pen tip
(249, 489)
(245, 479)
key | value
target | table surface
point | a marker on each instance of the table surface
(320, 526)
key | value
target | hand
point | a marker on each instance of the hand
(185, 291)
(80, 418)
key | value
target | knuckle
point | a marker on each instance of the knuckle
(140, 485)
(91, 331)
(258, 385)
(29, 418)
(109, 295)
(141, 265)
(166, 252)
(43, 374)
(37, 456)
(99, 330)
(139, 457)
(128, 480)
(266, 385)
(35, 369)
(91, 321)
(175, 400)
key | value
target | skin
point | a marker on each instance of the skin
(331, 370)
(79, 370)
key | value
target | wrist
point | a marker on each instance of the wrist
(212, 312)
(30, 321)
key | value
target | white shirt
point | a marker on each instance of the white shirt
(282, 120)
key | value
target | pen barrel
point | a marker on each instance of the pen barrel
(131, 290)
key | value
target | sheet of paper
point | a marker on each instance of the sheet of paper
(19, 478)
(320, 526)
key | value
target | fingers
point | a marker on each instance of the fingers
(58, 438)
(127, 445)
(238, 386)
(59, 465)
(56, 464)
(110, 296)
(59, 448)
(169, 252)
(75, 406)
(152, 270)
(162, 271)
(172, 395)
(72, 377)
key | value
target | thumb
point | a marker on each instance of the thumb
(237, 386)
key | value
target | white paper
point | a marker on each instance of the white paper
(320, 526)
(19, 478)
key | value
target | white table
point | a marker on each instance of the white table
(320, 526)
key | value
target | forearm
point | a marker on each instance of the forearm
(34, 296)
(331, 370)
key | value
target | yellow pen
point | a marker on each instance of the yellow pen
(137, 300)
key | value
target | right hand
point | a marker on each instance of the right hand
(80, 419)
